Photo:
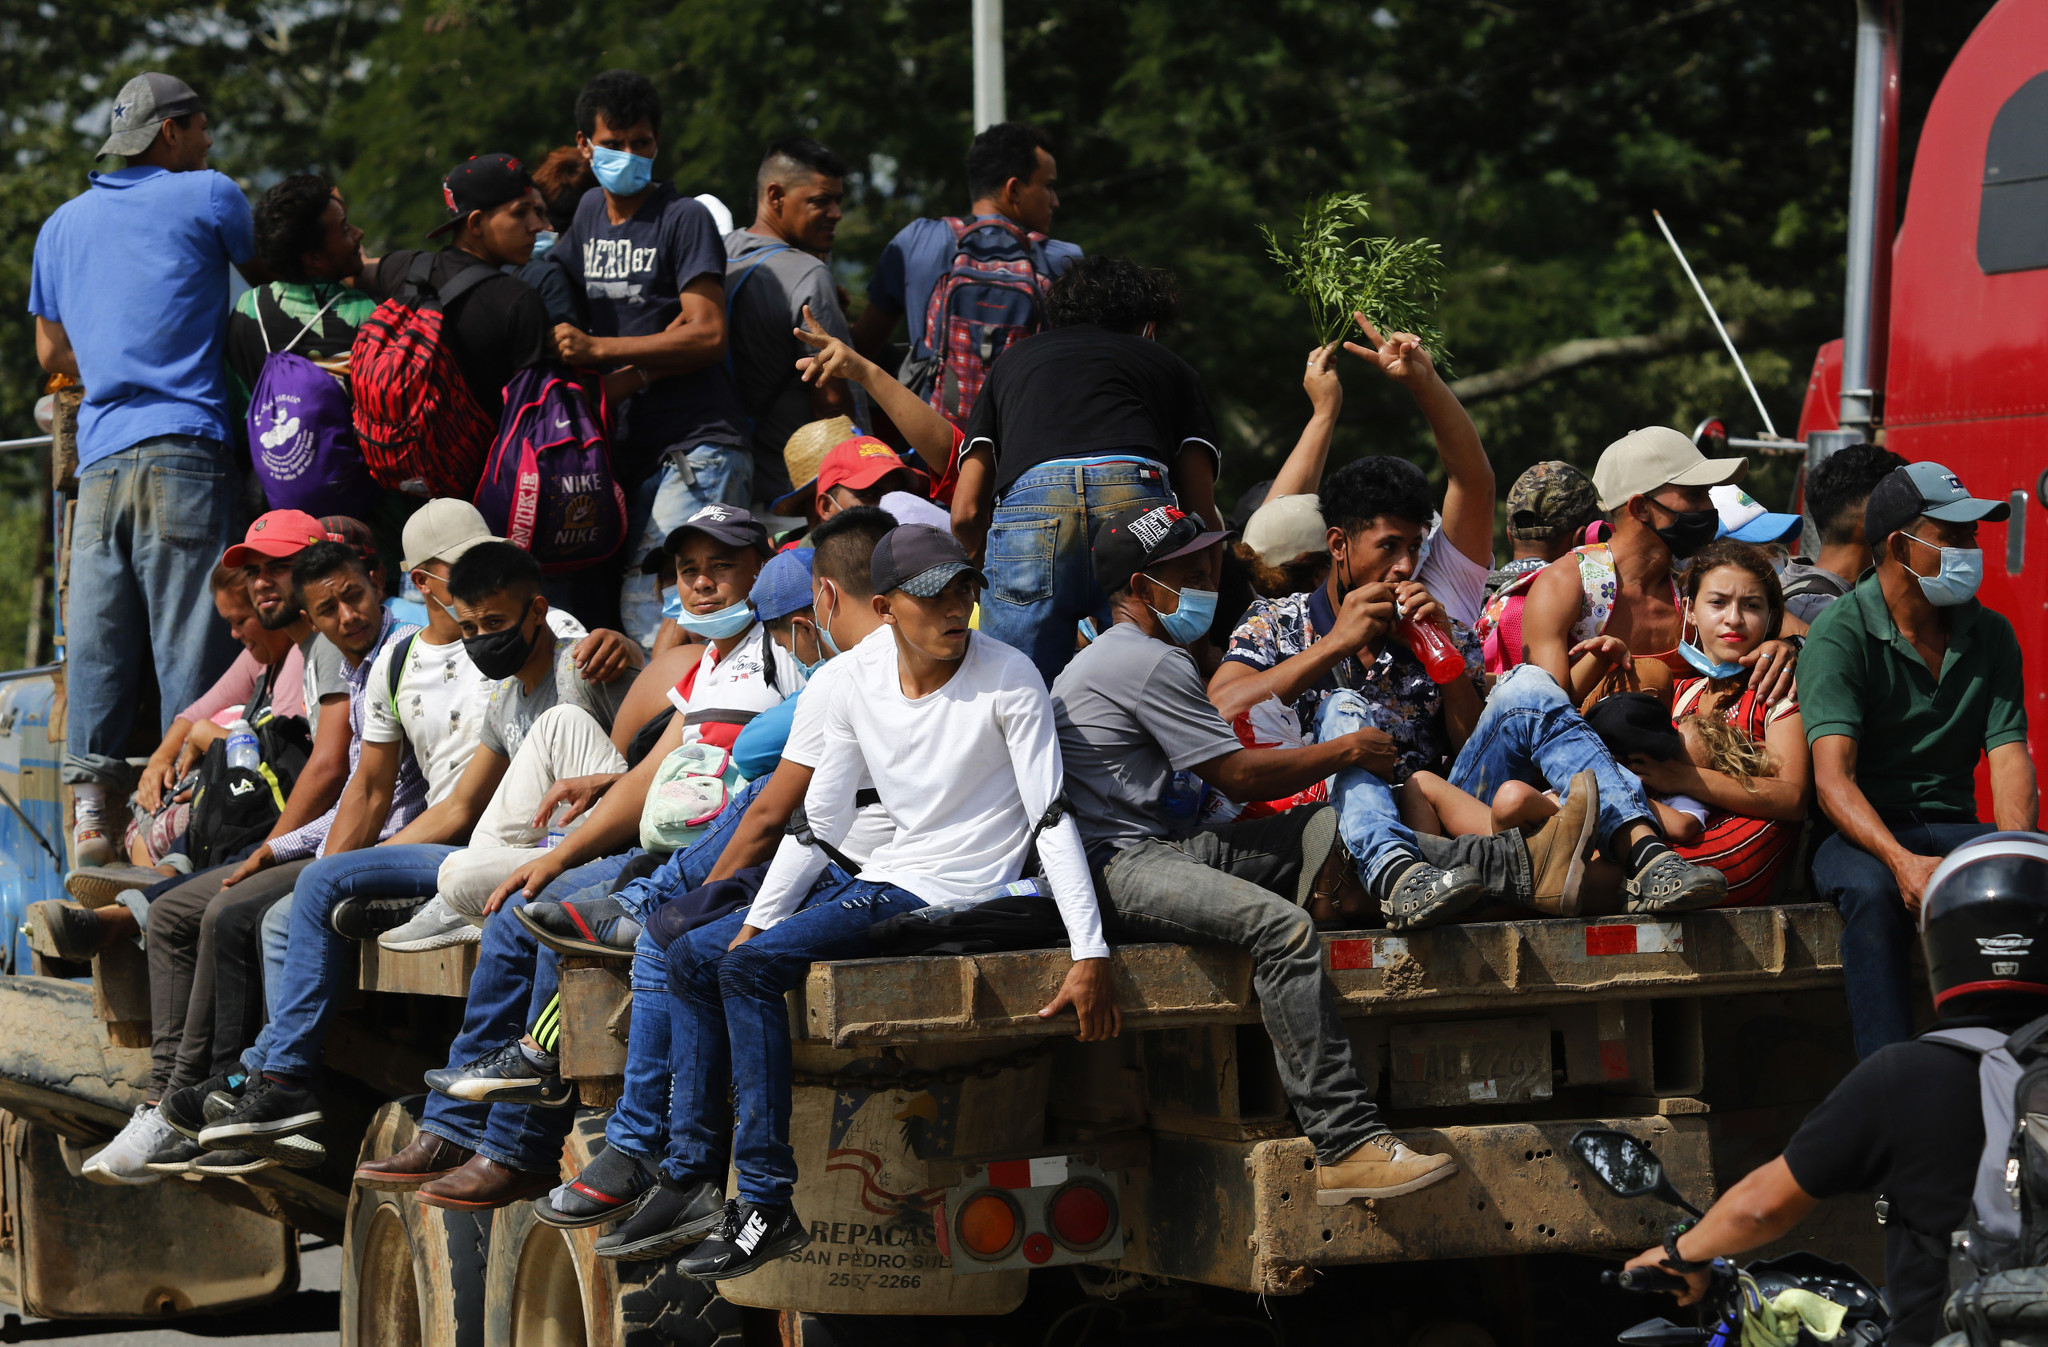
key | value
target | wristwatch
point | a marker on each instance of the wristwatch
(1798, 643)
(1677, 1261)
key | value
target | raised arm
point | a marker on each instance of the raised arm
(923, 428)
(1468, 495)
(1302, 473)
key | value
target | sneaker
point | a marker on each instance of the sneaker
(1382, 1167)
(364, 918)
(504, 1076)
(435, 926)
(230, 1163)
(185, 1109)
(613, 1184)
(669, 1217)
(600, 926)
(1671, 883)
(175, 1156)
(1423, 895)
(65, 930)
(747, 1238)
(91, 844)
(296, 1152)
(267, 1113)
(1557, 851)
(221, 1102)
(125, 1159)
(99, 885)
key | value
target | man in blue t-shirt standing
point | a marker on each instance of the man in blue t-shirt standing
(1010, 173)
(130, 294)
(651, 264)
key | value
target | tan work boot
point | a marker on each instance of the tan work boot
(1382, 1167)
(1557, 851)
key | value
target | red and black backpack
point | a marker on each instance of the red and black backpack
(419, 425)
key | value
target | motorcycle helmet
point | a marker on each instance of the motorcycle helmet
(1984, 919)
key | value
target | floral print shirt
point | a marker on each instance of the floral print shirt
(1408, 706)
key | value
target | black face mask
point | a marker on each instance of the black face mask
(500, 654)
(1689, 531)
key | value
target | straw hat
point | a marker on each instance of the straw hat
(809, 444)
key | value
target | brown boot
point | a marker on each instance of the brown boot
(1329, 886)
(1557, 851)
(1382, 1167)
(426, 1159)
(483, 1183)
(58, 929)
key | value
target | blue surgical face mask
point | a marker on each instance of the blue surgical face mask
(543, 241)
(672, 606)
(824, 625)
(817, 630)
(620, 173)
(728, 621)
(1190, 619)
(1962, 570)
(1697, 658)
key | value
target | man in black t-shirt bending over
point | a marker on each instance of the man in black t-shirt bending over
(1074, 425)
(1908, 1122)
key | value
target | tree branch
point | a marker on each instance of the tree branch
(1584, 351)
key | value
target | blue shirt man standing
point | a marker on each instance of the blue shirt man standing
(130, 293)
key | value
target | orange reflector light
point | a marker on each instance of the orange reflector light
(1082, 1215)
(988, 1225)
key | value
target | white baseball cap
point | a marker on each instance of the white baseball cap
(1744, 518)
(1287, 528)
(442, 530)
(1644, 460)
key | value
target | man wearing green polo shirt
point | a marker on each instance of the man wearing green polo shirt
(1911, 664)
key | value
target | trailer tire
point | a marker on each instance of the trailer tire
(545, 1288)
(413, 1276)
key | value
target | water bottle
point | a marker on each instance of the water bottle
(242, 750)
(557, 830)
(1183, 795)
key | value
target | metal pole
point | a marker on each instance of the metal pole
(1872, 172)
(1726, 340)
(988, 64)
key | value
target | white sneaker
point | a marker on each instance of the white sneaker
(90, 842)
(435, 926)
(125, 1159)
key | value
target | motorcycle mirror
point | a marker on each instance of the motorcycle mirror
(1627, 1166)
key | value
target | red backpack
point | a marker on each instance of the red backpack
(991, 294)
(418, 423)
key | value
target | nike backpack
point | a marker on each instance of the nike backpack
(991, 295)
(548, 487)
(420, 427)
(302, 435)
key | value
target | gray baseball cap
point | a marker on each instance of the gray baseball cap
(145, 103)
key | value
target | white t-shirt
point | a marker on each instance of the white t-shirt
(440, 703)
(738, 684)
(796, 865)
(1452, 578)
(965, 772)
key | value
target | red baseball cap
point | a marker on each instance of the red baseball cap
(857, 463)
(281, 533)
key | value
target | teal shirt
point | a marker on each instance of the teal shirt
(1918, 739)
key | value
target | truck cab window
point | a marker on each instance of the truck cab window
(2012, 221)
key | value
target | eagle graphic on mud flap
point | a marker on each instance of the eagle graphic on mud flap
(885, 1136)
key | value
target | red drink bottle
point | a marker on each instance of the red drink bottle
(1432, 645)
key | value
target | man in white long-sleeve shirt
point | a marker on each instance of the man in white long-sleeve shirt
(956, 732)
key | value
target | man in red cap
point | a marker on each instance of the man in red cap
(856, 471)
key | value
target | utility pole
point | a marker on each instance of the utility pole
(988, 64)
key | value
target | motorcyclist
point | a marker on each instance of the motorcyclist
(1906, 1123)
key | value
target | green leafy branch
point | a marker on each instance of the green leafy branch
(1340, 269)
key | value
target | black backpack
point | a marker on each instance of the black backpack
(233, 808)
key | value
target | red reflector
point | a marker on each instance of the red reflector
(1619, 938)
(1010, 1174)
(1350, 954)
(1080, 1215)
(1037, 1248)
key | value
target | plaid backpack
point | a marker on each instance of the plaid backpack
(418, 423)
(548, 487)
(991, 295)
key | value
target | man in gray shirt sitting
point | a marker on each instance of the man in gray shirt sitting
(1133, 717)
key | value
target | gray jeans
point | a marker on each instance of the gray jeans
(1219, 888)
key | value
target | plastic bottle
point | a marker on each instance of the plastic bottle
(1432, 645)
(1183, 795)
(242, 749)
(557, 830)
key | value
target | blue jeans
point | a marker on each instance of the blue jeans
(317, 961)
(729, 1008)
(515, 978)
(152, 523)
(1530, 731)
(1878, 934)
(688, 479)
(1041, 573)
(274, 937)
(637, 1123)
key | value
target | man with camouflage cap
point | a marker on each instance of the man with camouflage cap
(1549, 507)
(130, 293)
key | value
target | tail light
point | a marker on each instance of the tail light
(1037, 1212)
(989, 1225)
(1081, 1215)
